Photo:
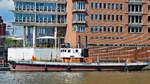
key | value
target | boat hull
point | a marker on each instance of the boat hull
(74, 67)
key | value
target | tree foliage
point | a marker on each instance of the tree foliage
(10, 42)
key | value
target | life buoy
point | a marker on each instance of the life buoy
(126, 69)
(45, 69)
(69, 68)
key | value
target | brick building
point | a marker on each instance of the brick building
(2, 31)
(114, 28)
(109, 28)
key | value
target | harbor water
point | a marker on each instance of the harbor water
(139, 77)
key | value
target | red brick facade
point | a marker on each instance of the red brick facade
(2, 30)
(120, 24)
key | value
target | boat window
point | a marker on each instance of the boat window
(68, 50)
(76, 50)
(71, 56)
(61, 51)
(64, 50)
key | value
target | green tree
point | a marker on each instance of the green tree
(10, 42)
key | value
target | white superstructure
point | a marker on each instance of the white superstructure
(71, 52)
(27, 53)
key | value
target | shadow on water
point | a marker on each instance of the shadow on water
(139, 77)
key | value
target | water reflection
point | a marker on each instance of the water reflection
(75, 77)
(69, 77)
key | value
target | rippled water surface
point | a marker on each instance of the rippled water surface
(75, 77)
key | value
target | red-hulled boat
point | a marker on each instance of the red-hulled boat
(59, 66)
(73, 60)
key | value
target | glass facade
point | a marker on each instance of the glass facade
(39, 14)
(79, 5)
(79, 17)
(38, 17)
(39, 6)
(79, 28)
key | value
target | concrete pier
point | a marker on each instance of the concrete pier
(4, 67)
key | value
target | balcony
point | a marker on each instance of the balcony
(135, 13)
(79, 10)
(39, 24)
(55, 1)
(78, 22)
(135, 1)
(135, 24)
(79, 0)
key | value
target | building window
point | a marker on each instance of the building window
(45, 7)
(28, 6)
(96, 5)
(104, 17)
(120, 17)
(108, 17)
(32, 6)
(113, 30)
(24, 6)
(100, 28)
(148, 18)
(112, 6)
(148, 29)
(51, 6)
(108, 28)
(140, 19)
(37, 6)
(41, 6)
(16, 5)
(112, 18)
(92, 29)
(132, 19)
(108, 5)
(96, 17)
(121, 6)
(140, 7)
(78, 5)
(129, 6)
(79, 28)
(117, 6)
(20, 5)
(136, 6)
(96, 29)
(148, 7)
(117, 29)
(100, 5)
(104, 28)
(140, 29)
(79, 17)
(117, 16)
(92, 16)
(121, 29)
(134, 29)
(104, 5)
(92, 5)
(129, 29)
(100, 17)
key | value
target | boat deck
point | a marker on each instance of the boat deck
(81, 64)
